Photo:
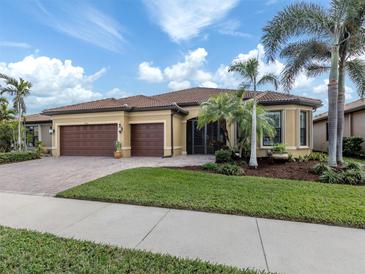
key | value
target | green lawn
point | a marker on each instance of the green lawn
(254, 196)
(23, 251)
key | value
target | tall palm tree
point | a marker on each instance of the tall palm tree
(19, 89)
(312, 20)
(264, 124)
(313, 56)
(5, 113)
(249, 70)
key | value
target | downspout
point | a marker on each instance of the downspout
(172, 134)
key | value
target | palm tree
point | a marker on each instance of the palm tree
(264, 124)
(5, 113)
(19, 89)
(312, 20)
(219, 108)
(313, 56)
(249, 70)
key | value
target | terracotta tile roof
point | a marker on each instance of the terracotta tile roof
(37, 118)
(199, 95)
(176, 100)
(350, 107)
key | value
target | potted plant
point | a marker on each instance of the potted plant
(279, 152)
(118, 150)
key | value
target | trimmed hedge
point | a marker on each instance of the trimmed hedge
(18, 156)
(223, 156)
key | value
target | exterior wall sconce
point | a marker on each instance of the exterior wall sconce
(51, 131)
(120, 128)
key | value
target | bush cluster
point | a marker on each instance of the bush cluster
(279, 148)
(223, 156)
(351, 174)
(352, 146)
(230, 169)
(210, 166)
(314, 156)
(10, 157)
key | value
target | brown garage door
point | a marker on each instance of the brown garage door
(147, 139)
(88, 140)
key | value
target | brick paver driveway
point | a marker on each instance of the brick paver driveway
(49, 176)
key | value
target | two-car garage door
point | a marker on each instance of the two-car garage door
(99, 140)
(88, 140)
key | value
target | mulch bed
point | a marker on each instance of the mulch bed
(281, 170)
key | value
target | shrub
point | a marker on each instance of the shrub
(10, 157)
(352, 146)
(223, 156)
(7, 135)
(317, 156)
(279, 148)
(330, 176)
(354, 166)
(229, 169)
(352, 177)
(118, 146)
(210, 166)
(320, 168)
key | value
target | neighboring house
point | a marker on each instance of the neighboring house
(354, 124)
(39, 128)
(166, 124)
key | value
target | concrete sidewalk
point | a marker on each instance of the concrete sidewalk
(279, 246)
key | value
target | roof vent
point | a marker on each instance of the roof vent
(125, 105)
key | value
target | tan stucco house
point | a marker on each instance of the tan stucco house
(354, 125)
(166, 124)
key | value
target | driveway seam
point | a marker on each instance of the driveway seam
(81, 219)
(150, 231)
(262, 244)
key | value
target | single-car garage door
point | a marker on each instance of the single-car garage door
(88, 140)
(147, 139)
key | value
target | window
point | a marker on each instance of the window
(303, 128)
(277, 119)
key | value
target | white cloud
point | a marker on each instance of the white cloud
(231, 27)
(55, 82)
(175, 85)
(12, 44)
(185, 19)
(209, 84)
(117, 93)
(192, 72)
(84, 22)
(302, 81)
(149, 73)
(193, 61)
(322, 89)
(225, 78)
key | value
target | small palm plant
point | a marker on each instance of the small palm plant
(19, 89)
(249, 70)
(222, 108)
(6, 114)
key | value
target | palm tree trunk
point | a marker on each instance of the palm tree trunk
(332, 103)
(340, 110)
(253, 156)
(19, 126)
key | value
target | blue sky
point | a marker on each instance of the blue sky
(75, 51)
